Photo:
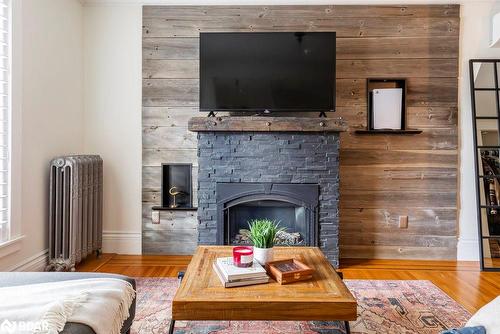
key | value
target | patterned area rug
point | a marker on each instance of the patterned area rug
(398, 307)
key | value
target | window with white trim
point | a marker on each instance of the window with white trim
(5, 108)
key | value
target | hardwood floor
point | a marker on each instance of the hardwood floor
(137, 265)
(460, 280)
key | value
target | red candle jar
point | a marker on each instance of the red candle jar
(243, 256)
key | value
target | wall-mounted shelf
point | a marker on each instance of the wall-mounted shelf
(388, 132)
(167, 208)
(386, 83)
(176, 177)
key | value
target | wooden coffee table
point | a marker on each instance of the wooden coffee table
(201, 295)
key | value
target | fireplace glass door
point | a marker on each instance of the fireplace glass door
(293, 206)
(290, 216)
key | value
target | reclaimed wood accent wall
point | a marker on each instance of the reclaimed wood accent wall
(382, 176)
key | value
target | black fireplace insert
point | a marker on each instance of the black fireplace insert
(294, 206)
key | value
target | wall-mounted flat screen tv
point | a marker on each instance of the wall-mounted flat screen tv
(267, 71)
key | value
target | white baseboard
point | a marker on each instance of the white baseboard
(122, 242)
(11, 246)
(467, 250)
(112, 242)
(37, 262)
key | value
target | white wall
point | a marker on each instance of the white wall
(48, 111)
(56, 82)
(474, 43)
(112, 122)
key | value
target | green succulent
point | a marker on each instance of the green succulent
(262, 232)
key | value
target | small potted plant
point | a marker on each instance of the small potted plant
(262, 233)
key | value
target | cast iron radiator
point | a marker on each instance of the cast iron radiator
(75, 210)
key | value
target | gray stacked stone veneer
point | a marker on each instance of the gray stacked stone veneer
(275, 157)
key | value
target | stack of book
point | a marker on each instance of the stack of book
(232, 276)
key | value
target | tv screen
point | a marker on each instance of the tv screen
(278, 71)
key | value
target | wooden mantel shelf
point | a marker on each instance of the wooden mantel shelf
(267, 124)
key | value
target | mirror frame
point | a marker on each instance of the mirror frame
(478, 177)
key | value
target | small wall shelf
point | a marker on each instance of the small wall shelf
(381, 83)
(388, 132)
(167, 208)
(176, 177)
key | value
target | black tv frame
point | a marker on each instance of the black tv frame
(322, 112)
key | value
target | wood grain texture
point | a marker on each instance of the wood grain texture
(157, 156)
(358, 221)
(396, 47)
(384, 157)
(266, 123)
(315, 12)
(432, 117)
(201, 295)
(395, 178)
(167, 137)
(171, 69)
(396, 239)
(429, 139)
(400, 252)
(170, 48)
(345, 27)
(373, 199)
(432, 92)
(170, 92)
(382, 176)
(168, 116)
(402, 68)
(347, 48)
(179, 242)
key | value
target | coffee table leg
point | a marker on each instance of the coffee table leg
(347, 327)
(171, 327)
(180, 276)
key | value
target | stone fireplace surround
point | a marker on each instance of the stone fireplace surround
(273, 150)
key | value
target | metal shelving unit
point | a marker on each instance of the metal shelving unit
(485, 95)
